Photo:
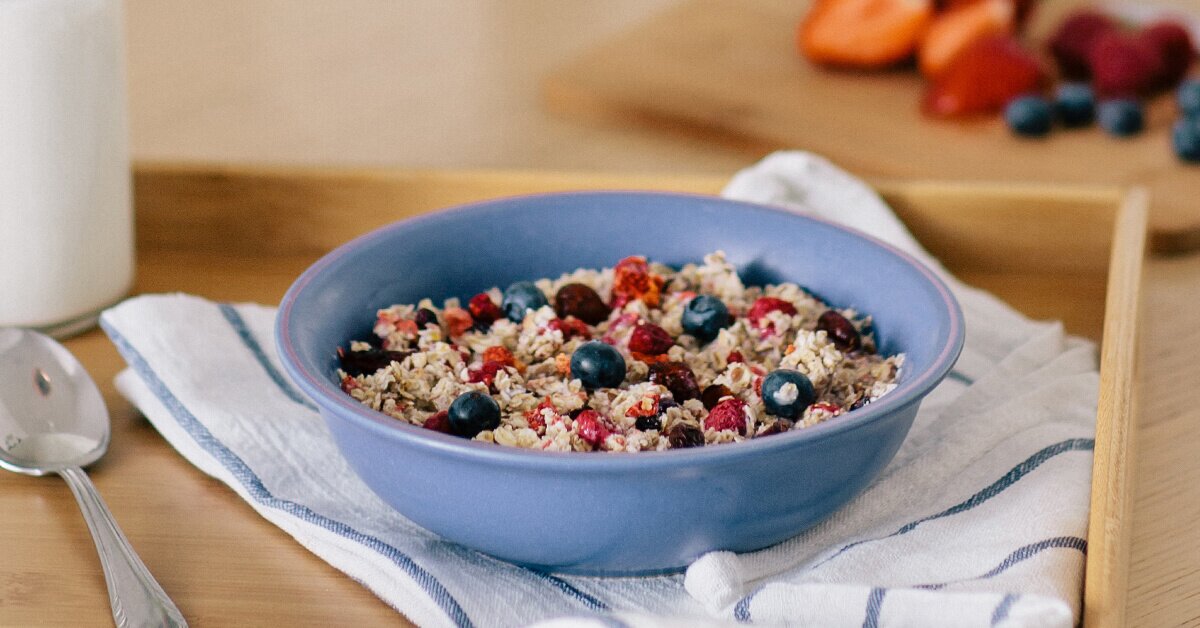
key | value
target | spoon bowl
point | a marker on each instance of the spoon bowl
(53, 420)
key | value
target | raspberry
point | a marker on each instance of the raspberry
(499, 354)
(632, 279)
(438, 422)
(650, 339)
(458, 320)
(734, 356)
(765, 305)
(1123, 65)
(590, 428)
(485, 373)
(484, 309)
(570, 328)
(1072, 42)
(1175, 48)
(534, 417)
(727, 415)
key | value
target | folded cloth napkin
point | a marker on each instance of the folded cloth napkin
(979, 520)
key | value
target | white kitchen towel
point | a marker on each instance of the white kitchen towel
(980, 519)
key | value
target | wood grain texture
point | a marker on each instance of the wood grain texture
(727, 70)
(230, 234)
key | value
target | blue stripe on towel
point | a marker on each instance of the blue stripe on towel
(1005, 605)
(254, 485)
(243, 331)
(958, 376)
(1020, 555)
(874, 606)
(741, 611)
(247, 336)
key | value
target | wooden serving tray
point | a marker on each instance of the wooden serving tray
(246, 233)
(1070, 253)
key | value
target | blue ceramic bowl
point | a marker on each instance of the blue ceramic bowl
(615, 513)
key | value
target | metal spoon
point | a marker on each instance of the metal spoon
(53, 420)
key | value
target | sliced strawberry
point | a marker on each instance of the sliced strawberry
(862, 33)
(1124, 65)
(1072, 41)
(983, 78)
(954, 30)
(1022, 9)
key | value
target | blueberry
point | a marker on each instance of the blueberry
(1029, 116)
(1121, 117)
(1188, 97)
(472, 412)
(521, 297)
(1075, 104)
(1185, 137)
(787, 393)
(647, 423)
(704, 317)
(598, 365)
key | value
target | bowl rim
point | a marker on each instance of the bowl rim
(331, 399)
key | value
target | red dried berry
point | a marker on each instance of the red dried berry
(582, 302)
(632, 279)
(650, 339)
(758, 380)
(485, 374)
(734, 356)
(484, 310)
(727, 415)
(840, 330)
(1176, 50)
(647, 406)
(713, 394)
(570, 328)
(1072, 42)
(765, 305)
(677, 378)
(425, 316)
(499, 354)
(827, 407)
(1123, 65)
(458, 321)
(682, 436)
(534, 417)
(590, 428)
(438, 422)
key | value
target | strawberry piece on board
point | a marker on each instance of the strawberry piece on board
(1124, 65)
(1072, 43)
(863, 33)
(983, 78)
(957, 28)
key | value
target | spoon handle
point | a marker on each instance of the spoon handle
(137, 599)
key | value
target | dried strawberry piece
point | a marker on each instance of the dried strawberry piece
(499, 354)
(349, 383)
(827, 407)
(590, 428)
(727, 415)
(765, 305)
(534, 417)
(570, 328)
(734, 357)
(646, 406)
(862, 33)
(960, 25)
(438, 422)
(677, 378)
(983, 78)
(632, 279)
(484, 310)
(485, 373)
(758, 385)
(458, 320)
(582, 302)
(650, 339)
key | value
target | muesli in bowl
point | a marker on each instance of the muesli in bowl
(638, 357)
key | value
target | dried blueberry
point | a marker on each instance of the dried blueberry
(713, 394)
(645, 423)
(473, 412)
(787, 393)
(598, 365)
(368, 361)
(424, 317)
(521, 297)
(704, 317)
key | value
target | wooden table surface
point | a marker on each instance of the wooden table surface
(256, 81)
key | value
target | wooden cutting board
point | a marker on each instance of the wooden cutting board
(728, 70)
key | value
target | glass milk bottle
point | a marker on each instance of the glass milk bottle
(66, 220)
